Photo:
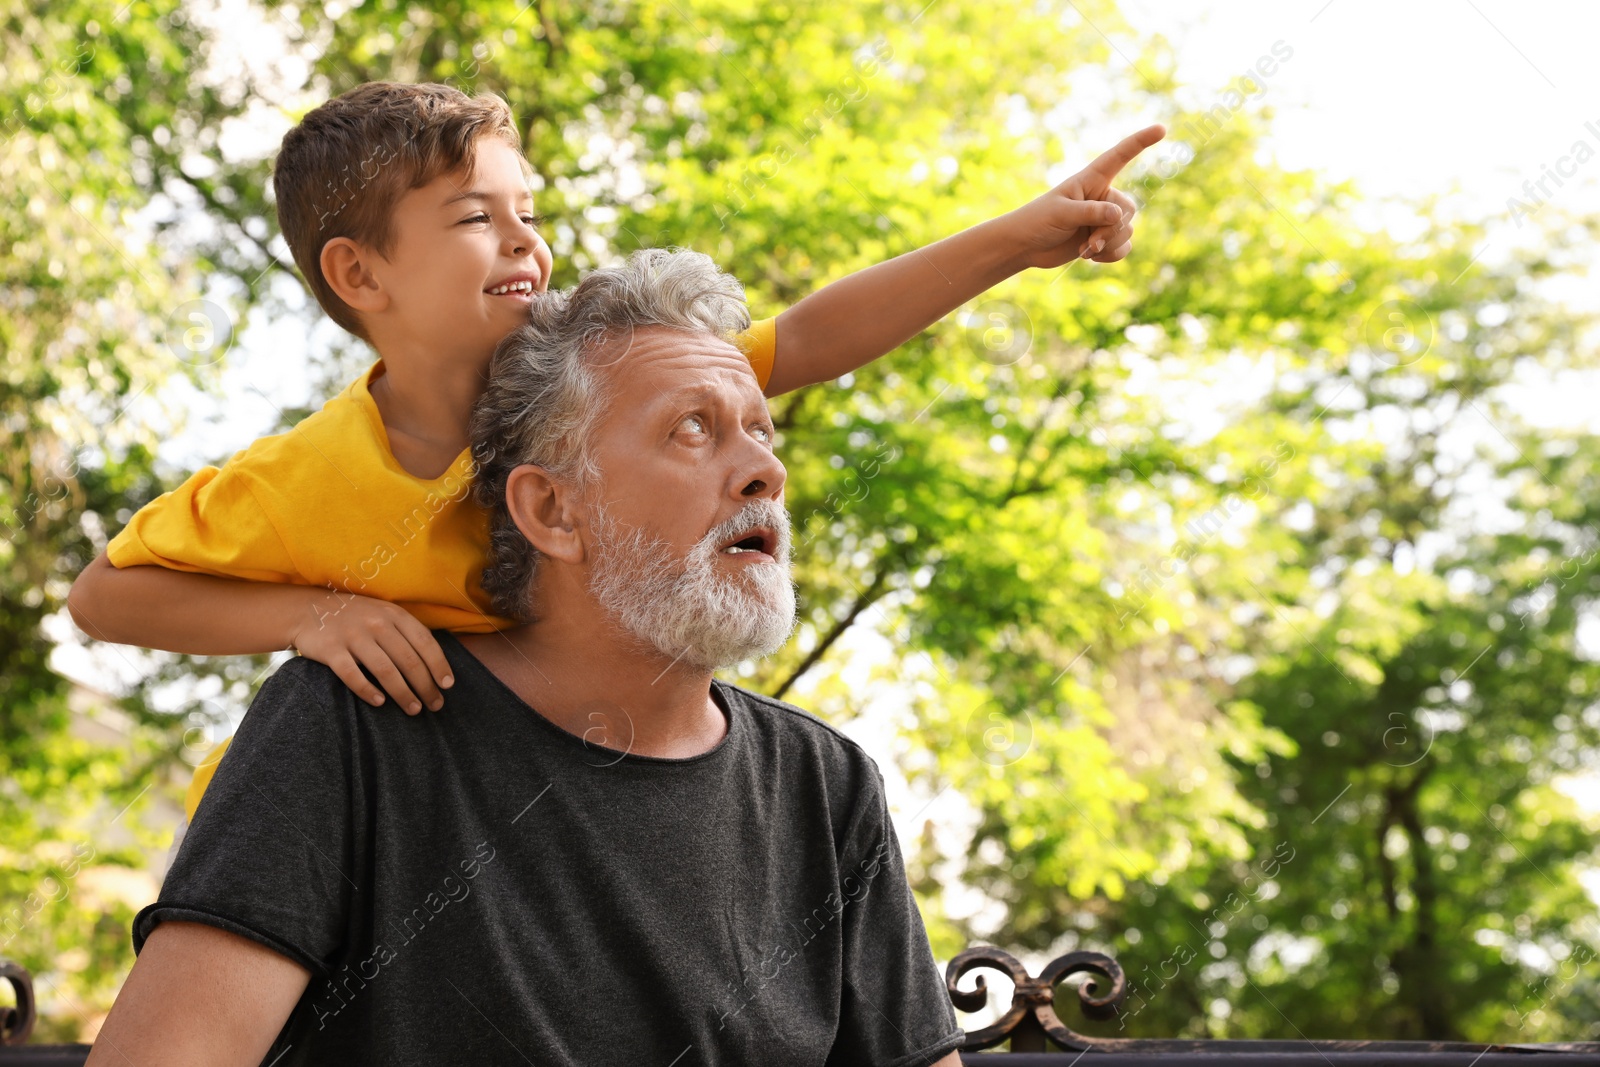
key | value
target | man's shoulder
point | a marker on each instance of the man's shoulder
(779, 717)
(791, 716)
(300, 733)
(303, 690)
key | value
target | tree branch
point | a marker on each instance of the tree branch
(1036, 484)
(1385, 864)
(552, 35)
(864, 600)
(221, 209)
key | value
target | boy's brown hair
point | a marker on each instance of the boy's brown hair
(343, 168)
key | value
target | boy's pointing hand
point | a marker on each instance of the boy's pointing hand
(1084, 216)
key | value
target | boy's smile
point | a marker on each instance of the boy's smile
(520, 287)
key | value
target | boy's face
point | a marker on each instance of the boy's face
(465, 259)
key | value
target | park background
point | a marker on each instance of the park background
(1229, 609)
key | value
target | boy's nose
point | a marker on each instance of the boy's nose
(521, 238)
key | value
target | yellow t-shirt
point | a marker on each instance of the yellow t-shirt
(327, 504)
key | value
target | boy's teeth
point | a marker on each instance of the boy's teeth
(521, 287)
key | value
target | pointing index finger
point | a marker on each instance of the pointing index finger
(1108, 164)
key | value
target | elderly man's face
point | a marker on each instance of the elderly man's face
(689, 540)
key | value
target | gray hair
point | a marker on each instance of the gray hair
(544, 395)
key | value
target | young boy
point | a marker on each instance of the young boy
(348, 538)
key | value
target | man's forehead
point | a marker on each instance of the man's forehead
(668, 361)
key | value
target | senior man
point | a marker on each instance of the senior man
(596, 853)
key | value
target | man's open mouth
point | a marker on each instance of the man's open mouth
(761, 539)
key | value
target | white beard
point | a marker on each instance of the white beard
(685, 609)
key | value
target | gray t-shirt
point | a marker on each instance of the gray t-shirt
(478, 885)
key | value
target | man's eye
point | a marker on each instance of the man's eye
(692, 424)
(763, 433)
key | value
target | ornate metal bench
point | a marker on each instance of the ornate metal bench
(1030, 1024)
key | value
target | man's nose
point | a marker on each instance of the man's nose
(762, 475)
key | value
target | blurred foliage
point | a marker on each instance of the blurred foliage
(1273, 707)
(1418, 873)
(86, 311)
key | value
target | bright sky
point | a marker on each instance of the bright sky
(1409, 96)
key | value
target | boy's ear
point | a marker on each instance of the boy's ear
(348, 268)
(545, 511)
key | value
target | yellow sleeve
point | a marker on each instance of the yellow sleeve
(760, 346)
(211, 524)
(202, 778)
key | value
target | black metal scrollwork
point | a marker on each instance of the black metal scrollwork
(1032, 1016)
(17, 1023)
(1031, 1023)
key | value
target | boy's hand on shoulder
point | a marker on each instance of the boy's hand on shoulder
(1083, 216)
(360, 631)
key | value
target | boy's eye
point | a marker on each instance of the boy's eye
(532, 220)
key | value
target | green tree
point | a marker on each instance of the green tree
(94, 317)
(1102, 619)
(1417, 875)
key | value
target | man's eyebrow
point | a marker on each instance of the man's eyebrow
(699, 391)
(687, 392)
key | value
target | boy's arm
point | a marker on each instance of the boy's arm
(199, 995)
(204, 615)
(856, 319)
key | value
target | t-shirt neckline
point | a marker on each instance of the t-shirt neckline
(613, 757)
(460, 466)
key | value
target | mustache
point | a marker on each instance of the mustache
(769, 513)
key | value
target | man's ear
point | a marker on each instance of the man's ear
(348, 268)
(545, 511)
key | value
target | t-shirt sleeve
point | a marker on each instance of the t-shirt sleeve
(211, 524)
(760, 346)
(896, 1012)
(271, 854)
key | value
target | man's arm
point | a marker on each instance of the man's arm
(203, 615)
(199, 995)
(853, 321)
